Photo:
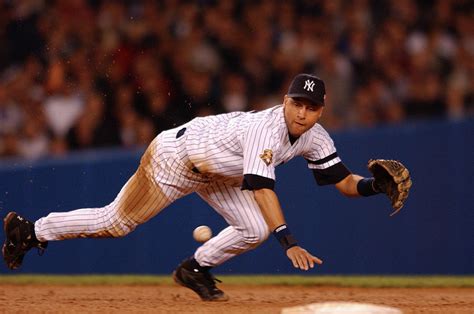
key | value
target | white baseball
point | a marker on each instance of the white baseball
(202, 234)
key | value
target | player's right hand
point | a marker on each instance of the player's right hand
(301, 258)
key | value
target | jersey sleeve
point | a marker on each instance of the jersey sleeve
(322, 153)
(258, 149)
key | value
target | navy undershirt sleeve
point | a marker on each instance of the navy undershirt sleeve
(256, 182)
(331, 175)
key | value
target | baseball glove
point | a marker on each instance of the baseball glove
(392, 178)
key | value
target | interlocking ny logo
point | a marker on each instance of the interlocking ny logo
(308, 85)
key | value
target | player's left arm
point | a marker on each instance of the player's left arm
(390, 177)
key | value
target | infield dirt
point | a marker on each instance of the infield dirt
(243, 299)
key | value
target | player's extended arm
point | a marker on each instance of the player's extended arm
(271, 210)
(391, 177)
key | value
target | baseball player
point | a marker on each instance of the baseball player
(229, 160)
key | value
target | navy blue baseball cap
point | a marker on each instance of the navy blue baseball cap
(309, 87)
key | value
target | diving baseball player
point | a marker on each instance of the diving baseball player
(229, 160)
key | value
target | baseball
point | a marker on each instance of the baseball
(202, 234)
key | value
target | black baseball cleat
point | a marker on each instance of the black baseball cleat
(200, 281)
(19, 238)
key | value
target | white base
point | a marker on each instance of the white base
(340, 308)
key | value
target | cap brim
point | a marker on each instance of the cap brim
(306, 96)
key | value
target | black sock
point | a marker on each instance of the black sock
(191, 264)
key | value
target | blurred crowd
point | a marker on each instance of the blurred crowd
(83, 74)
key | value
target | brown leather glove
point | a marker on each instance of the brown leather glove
(392, 178)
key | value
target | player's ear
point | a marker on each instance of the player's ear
(320, 112)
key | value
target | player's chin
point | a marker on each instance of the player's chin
(298, 130)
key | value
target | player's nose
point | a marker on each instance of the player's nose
(301, 114)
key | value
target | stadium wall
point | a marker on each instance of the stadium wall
(433, 234)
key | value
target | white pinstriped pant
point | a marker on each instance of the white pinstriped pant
(164, 175)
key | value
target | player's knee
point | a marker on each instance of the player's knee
(116, 223)
(121, 232)
(120, 228)
(254, 237)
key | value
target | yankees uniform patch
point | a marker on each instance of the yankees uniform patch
(267, 156)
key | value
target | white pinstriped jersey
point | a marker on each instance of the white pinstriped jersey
(228, 146)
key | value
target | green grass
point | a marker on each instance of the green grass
(343, 281)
